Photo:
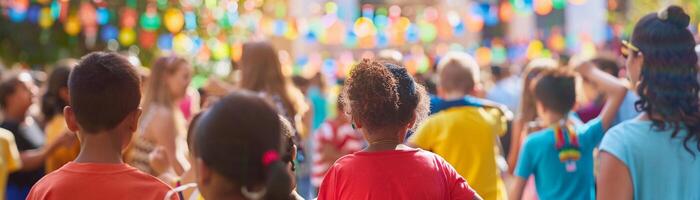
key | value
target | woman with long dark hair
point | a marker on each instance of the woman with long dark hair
(53, 101)
(636, 155)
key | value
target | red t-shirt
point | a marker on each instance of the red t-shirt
(99, 181)
(395, 174)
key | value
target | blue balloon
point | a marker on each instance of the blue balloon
(311, 37)
(329, 66)
(301, 61)
(522, 5)
(380, 21)
(102, 16)
(368, 13)
(412, 33)
(517, 51)
(16, 15)
(197, 44)
(609, 33)
(483, 9)
(165, 41)
(350, 40)
(33, 14)
(528, 3)
(491, 19)
(382, 39)
(109, 32)
(190, 21)
(459, 29)
(55, 9)
(279, 27)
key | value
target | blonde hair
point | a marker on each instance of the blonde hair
(157, 91)
(261, 71)
(458, 71)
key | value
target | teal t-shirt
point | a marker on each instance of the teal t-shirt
(659, 165)
(540, 158)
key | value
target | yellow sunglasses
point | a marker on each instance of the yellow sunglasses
(628, 49)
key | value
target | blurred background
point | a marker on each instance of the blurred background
(318, 41)
(315, 35)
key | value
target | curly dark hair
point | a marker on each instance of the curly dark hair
(668, 86)
(384, 96)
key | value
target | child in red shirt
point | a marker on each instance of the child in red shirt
(384, 102)
(104, 112)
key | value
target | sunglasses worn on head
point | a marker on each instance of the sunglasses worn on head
(628, 49)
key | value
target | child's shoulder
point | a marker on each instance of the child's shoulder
(346, 160)
(53, 180)
(634, 124)
(62, 182)
(430, 155)
(345, 163)
(636, 130)
(540, 136)
(146, 179)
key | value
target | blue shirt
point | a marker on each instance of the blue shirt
(539, 157)
(627, 109)
(659, 165)
(437, 104)
(320, 107)
(506, 92)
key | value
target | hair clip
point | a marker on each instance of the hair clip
(662, 14)
(253, 194)
(269, 157)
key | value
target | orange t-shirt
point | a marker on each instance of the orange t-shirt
(99, 181)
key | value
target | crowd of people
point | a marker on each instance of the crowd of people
(582, 128)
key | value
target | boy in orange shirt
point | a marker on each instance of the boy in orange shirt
(104, 112)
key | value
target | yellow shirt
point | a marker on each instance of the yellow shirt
(54, 129)
(466, 137)
(9, 158)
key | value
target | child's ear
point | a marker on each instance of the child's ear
(294, 153)
(202, 173)
(539, 108)
(71, 121)
(412, 122)
(478, 90)
(133, 120)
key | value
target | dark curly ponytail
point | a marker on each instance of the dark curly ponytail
(668, 86)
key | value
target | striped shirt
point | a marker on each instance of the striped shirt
(342, 137)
